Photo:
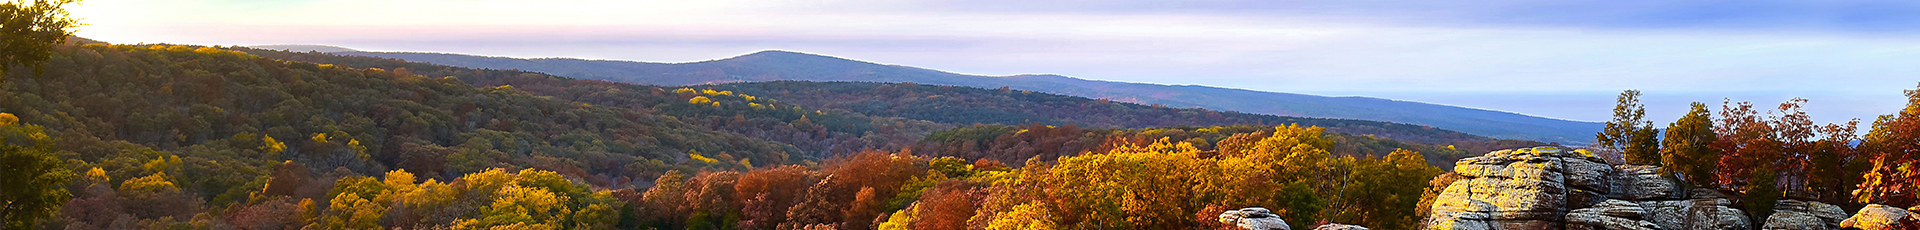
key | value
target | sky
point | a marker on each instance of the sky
(1557, 59)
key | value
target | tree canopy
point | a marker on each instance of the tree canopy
(29, 29)
(1629, 133)
(34, 177)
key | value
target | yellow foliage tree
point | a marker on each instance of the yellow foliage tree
(1162, 184)
(97, 175)
(1130, 187)
(695, 155)
(349, 211)
(157, 182)
(1023, 217)
(271, 146)
(902, 220)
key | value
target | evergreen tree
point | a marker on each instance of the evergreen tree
(1760, 194)
(1630, 134)
(1687, 151)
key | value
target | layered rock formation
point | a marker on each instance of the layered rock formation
(1520, 189)
(1805, 215)
(1547, 188)
(1643, 182)
(1254, 218)
(1610, 214)
(1705, 210)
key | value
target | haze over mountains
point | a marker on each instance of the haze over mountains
(785, 65)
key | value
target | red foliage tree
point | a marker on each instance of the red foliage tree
(711, 196)
(1747, 142)
(819, 207)
(782, 186)
(1894, 147)
(876, 174)
(947, 206)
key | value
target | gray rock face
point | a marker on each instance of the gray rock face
(1546, 188)
(1254, 218)
(1704, 212)
(1520, 189)
(1612, 215)
(1466, 219)
(1337, 226)
(1805, 215)
(1880, 217)
(1642, 182)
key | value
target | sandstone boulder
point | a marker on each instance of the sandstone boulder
(1805, 215)
(1337, 226)
(1254, 218)
(1528, 188)
(1546, 188)
(1881, 217)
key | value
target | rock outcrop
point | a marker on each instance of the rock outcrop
(1612, 215)
(1643, 182)
(1665, 204)
(1547, 188)
(1254, 218)
(1804, 215)
(1337, 226)
(1520, 189)
(1881, 217)
(1706, 210)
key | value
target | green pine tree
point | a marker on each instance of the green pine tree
(1686, 151)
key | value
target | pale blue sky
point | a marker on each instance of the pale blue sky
(1561, 59)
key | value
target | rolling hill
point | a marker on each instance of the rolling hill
(784, 65)
(865, 106)
(254, 139)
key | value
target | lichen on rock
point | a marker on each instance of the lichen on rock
(1528, 188)
(1546, 188)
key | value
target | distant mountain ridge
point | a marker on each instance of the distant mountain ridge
(305, 48)
(786, 65)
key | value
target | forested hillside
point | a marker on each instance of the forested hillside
(968, 105)
(168, 136)
(185, 130)
(818, 133)
(775, 65)
(839, 109)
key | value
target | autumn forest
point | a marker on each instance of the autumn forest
(163, 136)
